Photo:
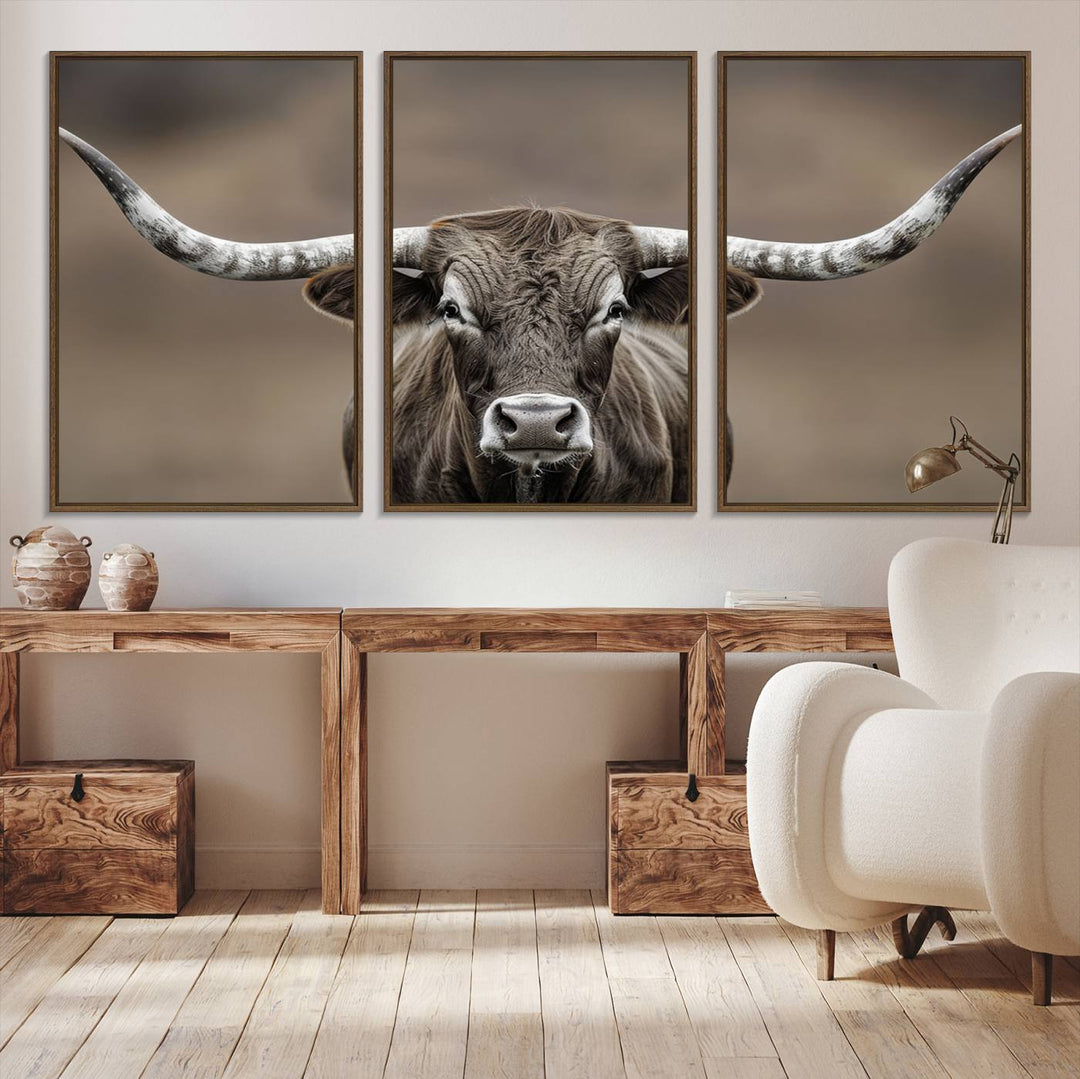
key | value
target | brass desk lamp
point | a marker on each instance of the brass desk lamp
(936, 462)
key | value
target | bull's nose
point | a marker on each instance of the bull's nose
(542, 424)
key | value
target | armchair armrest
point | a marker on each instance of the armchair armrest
(801, 715)
(1031, 811)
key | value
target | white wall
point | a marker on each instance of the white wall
(484, 769)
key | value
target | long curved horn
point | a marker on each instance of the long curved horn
(409, 245)
(849, 258)
(661, 247)
(209, 254)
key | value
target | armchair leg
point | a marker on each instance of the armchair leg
(1042, 976)
(909, 941)
(826, 954)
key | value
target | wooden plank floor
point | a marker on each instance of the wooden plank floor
(512, 985)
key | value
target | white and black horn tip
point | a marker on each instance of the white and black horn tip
(848, 258)
(210, 254)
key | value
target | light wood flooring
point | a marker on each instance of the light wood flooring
(513, 984)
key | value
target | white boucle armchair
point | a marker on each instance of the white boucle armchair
(956, 785)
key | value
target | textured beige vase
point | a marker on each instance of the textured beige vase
(128, 578)
(51, 569)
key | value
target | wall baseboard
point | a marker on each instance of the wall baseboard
(257, 867)
(422, 865)
(485, 866)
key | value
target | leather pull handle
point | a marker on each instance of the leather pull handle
(691, 789)
(77, 792)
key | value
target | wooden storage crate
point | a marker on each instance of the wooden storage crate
(673, 854)
(97, 837)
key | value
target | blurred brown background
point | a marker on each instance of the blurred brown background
(175, 386)
(609, 137)
(833, 385)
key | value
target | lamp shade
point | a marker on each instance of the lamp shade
(928, 466)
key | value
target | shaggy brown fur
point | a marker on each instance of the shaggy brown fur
(534, 278)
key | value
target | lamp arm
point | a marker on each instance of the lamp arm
(1002, 527)
(987, 457)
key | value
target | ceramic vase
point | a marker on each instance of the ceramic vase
(51, 569)
(128, 578)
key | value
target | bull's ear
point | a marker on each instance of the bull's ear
(741, 293)
(333, 292)
(415, 299)
(663, 297)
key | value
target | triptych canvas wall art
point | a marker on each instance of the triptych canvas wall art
(540, 292)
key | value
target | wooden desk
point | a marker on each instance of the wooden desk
(701, 638)
(224, 630)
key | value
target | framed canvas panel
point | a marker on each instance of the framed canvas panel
(874, 224)
(205, 216)
(539, 273)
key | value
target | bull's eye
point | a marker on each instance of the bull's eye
(616, 311)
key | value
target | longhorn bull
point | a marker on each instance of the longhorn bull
(556, 350)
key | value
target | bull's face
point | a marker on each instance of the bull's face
(532, 359)
(532, 305)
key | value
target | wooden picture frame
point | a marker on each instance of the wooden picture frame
(689, 504)
(350, 443)
(912, 504)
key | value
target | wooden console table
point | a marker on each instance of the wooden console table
(700, 637)
(225, 630)
(343, 639)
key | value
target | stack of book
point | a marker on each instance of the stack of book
(754, 600)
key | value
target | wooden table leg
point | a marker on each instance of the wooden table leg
(703, 681)
(697, 718)
(330, 678)
(353, 775)
(9, 709)
(715, 704)
(683, 737)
